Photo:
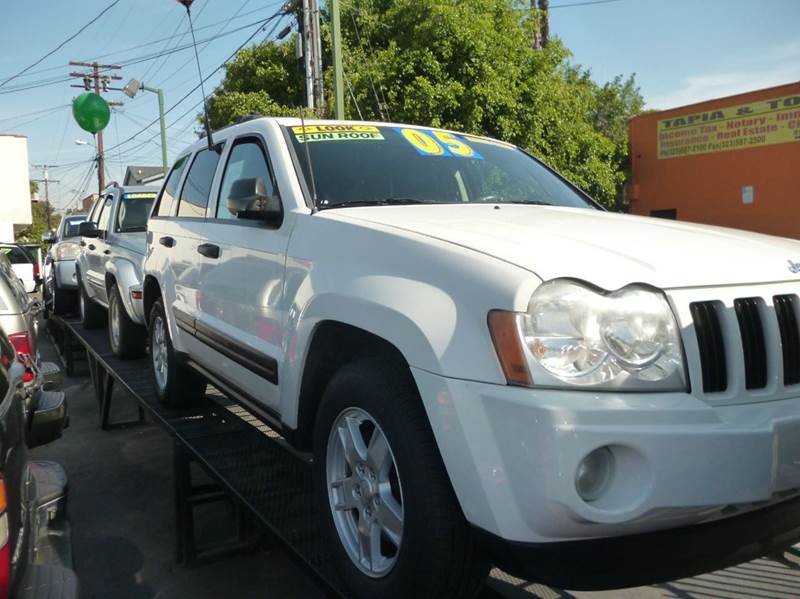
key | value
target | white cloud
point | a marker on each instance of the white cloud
(782, 68)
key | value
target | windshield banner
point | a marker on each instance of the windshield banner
(311, 133)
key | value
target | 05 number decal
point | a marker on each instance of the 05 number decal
(437, 143)
(423, 142)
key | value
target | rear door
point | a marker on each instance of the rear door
(165, 257)
(190, 231)
(241, 311)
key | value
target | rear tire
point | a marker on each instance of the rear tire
(176, 385)
(437, 556)
(92, 315)
(127, 338)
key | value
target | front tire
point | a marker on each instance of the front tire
(92, 315)
(394, 524)
(176, 385)
(127, 338)
(62, 301)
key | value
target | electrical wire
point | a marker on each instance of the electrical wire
(589, 2)
(150, 43)
(381, 106)
(62, 44)
(261, 26)
(27, 114)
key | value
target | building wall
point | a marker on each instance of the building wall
(733, 162)
(15, 194)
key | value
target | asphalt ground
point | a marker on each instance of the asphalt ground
(123, 528)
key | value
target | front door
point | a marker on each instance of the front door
(241, 293)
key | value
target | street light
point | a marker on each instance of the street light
(131, 89)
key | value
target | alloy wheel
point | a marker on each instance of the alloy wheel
(158, 352)
(364, 492)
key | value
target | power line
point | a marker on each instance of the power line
(262, 25)
(589, 2)
(153, 42)
(62, 44)
(43, 83)
(27, 114)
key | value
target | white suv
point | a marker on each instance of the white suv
(486, 366)
(109, 266)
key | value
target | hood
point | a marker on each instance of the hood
(133, 242)
(607, 249)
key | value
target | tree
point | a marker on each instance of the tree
(33, 232)
(34, 187)
(466, 65)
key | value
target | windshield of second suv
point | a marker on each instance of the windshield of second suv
(357, 165)
(134, 210)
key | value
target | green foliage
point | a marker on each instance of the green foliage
(33, 232)
(34, 187)
(467, 65)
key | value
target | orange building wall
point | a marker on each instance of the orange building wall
(707, 188)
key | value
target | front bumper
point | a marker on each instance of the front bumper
(512, 456)
(65, 275)
(652, 557)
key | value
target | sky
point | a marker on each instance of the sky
(681, 51)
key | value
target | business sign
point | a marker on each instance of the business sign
(761, 123)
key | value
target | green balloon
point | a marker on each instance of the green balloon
(91, 112)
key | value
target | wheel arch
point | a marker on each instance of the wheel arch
(152, 291)
(333, 345)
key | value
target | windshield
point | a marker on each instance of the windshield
(16, 254)
(134, 210)
(356, 165)
(71, 226)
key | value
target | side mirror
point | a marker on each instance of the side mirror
(248, 199)
(48, 418)
(88, 229)
(48, 237)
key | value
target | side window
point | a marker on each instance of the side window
(105, 214)
(246, 161)
(197, 188)
(167, 197)
(94, 215)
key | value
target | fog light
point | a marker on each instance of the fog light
(594, 474)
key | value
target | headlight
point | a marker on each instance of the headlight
(67, 251)
(573, 334)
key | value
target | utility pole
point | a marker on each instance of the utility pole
(542, 36)
(101, 83)
(336, 47)
(307, 44)
(312, 54)
(48, 209)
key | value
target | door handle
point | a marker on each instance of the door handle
(91, 246)
(167, 242)
(209, 250)
(106, 252)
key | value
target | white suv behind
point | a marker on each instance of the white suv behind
(486, 366)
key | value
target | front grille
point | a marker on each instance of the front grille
(753, 345)
(711, 346)
(790, 337)
(752, 349)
